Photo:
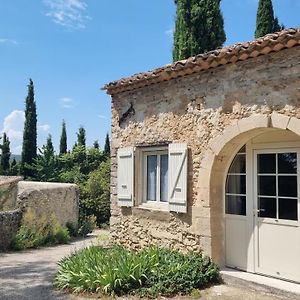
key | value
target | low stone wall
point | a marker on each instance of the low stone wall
(60, 199)
(9, 225)
(8, 192)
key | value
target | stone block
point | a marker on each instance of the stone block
(279, 120)
(294, 125)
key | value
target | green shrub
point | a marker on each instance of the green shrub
(86, 225)
(150, 272)
(36, 231)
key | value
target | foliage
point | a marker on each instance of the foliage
(265, 21)
(179, 273)
(150, 272)
(81, 137)
(5, 156)
(106, 151)
(45, 165)
(63, 139)
(199, 28)
(85, 226)
(95, 194)
(29, 152)
(36, 231)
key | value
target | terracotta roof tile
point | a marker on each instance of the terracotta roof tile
(270, 43)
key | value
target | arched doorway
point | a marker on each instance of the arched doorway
(254, 198)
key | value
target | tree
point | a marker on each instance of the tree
(106, 151)
(199, 27)
(30, 132)
(81, 138)
(14, 168)
(96, 145)
(265, 21)
(5, 148)
(63, 139)
(45, 165)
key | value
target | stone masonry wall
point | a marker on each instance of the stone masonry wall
(8, 192)
(60, 199)
(9, 225)
(195, 109)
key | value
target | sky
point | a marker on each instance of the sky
(71, 48)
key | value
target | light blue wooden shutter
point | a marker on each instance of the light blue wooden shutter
(178, 178)
(125, 176)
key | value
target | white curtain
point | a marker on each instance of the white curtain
(151, 177)
(164, 178)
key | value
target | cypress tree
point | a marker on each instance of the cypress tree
(81, 138)
(5, 147)
(96, 145)
(106, 151)
(265, 21)
(181, 47)
(199, 27)
(30, 132)
(63, 139)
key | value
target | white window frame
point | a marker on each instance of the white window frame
(144, 203)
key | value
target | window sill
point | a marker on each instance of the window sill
(155, 206)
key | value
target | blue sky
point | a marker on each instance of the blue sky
(70, 48)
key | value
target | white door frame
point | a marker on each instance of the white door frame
(251, 201)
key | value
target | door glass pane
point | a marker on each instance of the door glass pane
(287, 163)
(236, 184)
(266, 185)
(151, 177)
(239, 164)
(164, 178)
(267, 207)
(288, 209)
(266, 163)
(287, 186)
(235, 205)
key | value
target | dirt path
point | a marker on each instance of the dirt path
(28, 275)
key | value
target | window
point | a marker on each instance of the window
(235, 193)
(155, 181)
(153, 177)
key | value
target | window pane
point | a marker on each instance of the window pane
(235, 205)
(151, 177)
(266, 163)
(267, 207)
(288, 209)
(287, 186)
(164, 178)
(266, 185)
(236, 184)
(239, 164)
(287, 163)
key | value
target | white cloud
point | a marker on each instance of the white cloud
(44, 127)
(13, 126)
(67, 13)
(66, 102)
(8, 41)
(102, 117)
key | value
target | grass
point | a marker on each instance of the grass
(149, 272)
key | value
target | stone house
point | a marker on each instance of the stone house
(206, 156)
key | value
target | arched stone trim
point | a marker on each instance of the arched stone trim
(214, 165)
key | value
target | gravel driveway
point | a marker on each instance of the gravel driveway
(29, 274)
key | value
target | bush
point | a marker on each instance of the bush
(36, 231)
(150, 272)
(86, 225)
(95, 194)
